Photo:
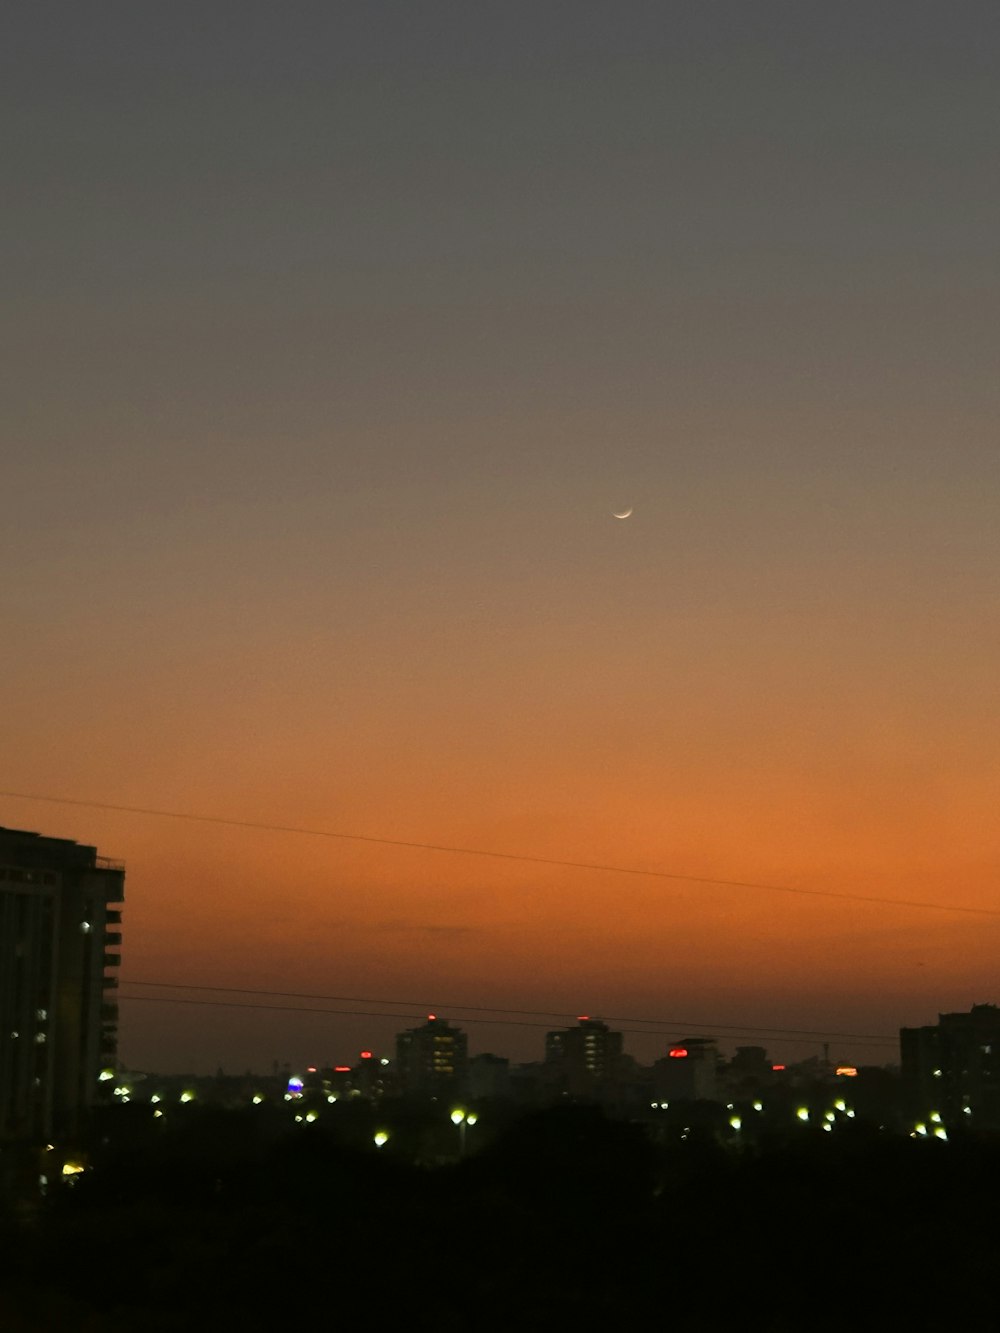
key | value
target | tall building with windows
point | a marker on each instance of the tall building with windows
(584, 1059)
(432, 1058)
(60, 934)
(954, 1067)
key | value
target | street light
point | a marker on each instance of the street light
(462, 1119)
(381, 1139)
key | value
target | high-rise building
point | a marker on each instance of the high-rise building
(60, 918)
(953, 1068)
(585, 1058)
(432, 1058)
(688, 1071)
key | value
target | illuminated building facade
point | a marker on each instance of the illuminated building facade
(953, 1068)
(432, 1058)
(60, 918)
(585, 1058)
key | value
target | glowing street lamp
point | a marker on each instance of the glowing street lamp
(381, 1139)
(462, 1119)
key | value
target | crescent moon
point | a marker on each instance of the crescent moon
(626, 513)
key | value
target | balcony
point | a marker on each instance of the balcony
(112, 960)
(112, 937)
(113, 916)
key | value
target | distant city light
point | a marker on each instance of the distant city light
(677, 1052)
(381, 1139)
(383, 1061)
(803, 1113)
(366, 1055)
(431, 1018)
(777, 1069)
(72, 1169)
(187, 1096)
(342, 1069)
(847, 1071)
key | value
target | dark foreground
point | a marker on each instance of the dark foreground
(565, 1220)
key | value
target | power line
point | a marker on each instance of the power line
(667, 1027)
(507, 856)
(357, 1013)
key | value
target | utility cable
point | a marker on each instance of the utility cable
(676, 876)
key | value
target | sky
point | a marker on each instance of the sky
(332, 336)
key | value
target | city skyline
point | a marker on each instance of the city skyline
(335, 341)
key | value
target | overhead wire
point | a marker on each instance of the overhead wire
(558, 862)
(525, 1017)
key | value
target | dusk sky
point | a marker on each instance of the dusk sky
(333, 335)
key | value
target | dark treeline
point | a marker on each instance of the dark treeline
(563, 1219)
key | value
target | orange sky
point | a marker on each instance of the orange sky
(331, 350)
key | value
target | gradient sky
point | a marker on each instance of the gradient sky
(332, 335)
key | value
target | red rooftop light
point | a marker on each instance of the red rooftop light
(583, 1018)
(777, 1068)
(366, 1055)
(431, 1018)
(311, 1069)
(342, 1069)
(678, 1052)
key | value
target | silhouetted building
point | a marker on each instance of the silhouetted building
(584, 1059)
(688, 1072)
(59, 941)
(954, 1067)
(432, 1058)
(488, 1076)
